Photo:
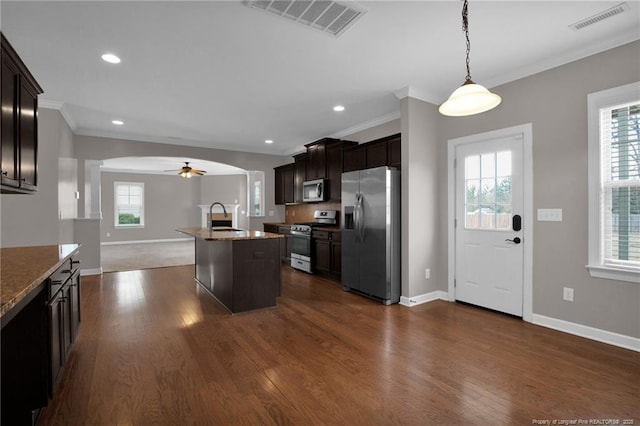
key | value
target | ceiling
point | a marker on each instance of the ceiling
(220, 74)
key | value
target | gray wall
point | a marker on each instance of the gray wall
(385, 129)
(420, 208)
(555, 102)
(170, 202)
(98, 148)
(34, 219)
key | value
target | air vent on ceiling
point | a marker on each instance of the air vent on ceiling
(599, 17)
(330, 17)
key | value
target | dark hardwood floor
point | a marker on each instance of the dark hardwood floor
(154, 349)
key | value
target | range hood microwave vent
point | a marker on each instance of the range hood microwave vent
(330, 17)
(606, 14)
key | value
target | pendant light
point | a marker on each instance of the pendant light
(470, 98)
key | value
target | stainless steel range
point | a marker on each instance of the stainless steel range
(302, 255)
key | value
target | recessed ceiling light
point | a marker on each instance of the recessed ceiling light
(111, 58)
(338, 108)
(268, 141)
(117, 122)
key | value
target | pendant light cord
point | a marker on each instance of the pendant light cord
(465, 28)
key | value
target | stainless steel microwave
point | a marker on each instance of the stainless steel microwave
(314, 190)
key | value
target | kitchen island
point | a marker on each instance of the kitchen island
(239, 268)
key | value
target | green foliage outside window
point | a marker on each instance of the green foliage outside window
(128, 219)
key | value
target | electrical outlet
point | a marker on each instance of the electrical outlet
(427, 273)
(108, 234)
(567, 294)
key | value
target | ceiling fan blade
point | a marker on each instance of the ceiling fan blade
(198, 172)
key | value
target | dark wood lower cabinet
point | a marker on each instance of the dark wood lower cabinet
(36, 344)
(64, 321)
(25, 363)
(323, 255)
(285, 243)
(327, 246)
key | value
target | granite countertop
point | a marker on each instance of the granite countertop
(221, 233)
(22, 269)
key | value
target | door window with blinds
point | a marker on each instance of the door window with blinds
(614, 149)
(129, 204)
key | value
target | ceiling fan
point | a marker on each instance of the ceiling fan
(187, 171)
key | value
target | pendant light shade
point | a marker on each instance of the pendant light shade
(470, 98)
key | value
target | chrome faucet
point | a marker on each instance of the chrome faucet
(211, 213)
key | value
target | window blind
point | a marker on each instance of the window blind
(129, 204)
(620, 185)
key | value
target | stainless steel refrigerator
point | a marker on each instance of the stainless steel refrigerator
(371, 233)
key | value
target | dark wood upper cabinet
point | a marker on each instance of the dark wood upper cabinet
(19, 120)
(335, 159)
(285, 184)
(355, 158)
(376, 154)
(380, 152)
(316, 161)
(394, 151)
(300, 173)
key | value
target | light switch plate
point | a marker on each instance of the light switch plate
(549, 215)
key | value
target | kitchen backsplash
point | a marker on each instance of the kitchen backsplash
(304, 212)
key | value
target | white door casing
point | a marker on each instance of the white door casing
(485, 268)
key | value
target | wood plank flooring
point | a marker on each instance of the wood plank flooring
(154, 349)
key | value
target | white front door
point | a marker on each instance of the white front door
(489, 237)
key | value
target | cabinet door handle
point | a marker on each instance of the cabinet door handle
(74, 262)
(66, 271)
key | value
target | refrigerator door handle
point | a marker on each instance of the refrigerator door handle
(360, 217)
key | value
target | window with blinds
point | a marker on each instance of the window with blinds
(620, 184)
(129, 204)
(614, 183)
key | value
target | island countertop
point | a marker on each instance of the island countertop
(23, 269)
(220, 233)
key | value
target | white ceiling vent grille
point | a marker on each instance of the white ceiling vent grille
(330, 17)
(616, 10)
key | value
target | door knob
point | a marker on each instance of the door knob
(516, 240)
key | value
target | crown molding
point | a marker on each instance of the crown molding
(59, 106)
(366, 125)
(417, 93)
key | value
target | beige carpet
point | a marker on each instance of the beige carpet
(128, 257)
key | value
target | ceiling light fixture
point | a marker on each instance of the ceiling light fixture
(111, 58)
(117, 122)
(338, 108)
(268, 141)
(470, 98)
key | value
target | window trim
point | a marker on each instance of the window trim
(252, 177)
(115, 206)
(596, 101)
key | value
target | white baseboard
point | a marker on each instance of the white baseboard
(95, 271)
(166, 240)
(597, 334)
(424, 298)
